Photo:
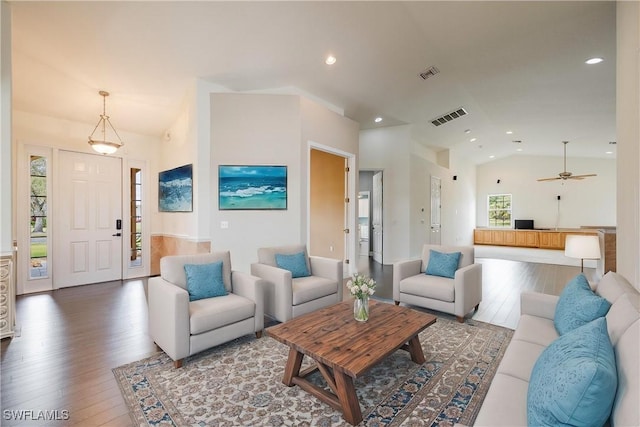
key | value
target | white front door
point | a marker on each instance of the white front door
(376, 217)
(89, 204)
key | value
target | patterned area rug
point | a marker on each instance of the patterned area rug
(240, 384)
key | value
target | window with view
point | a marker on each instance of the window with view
(136, 217)
(499, 210)
(38, 224)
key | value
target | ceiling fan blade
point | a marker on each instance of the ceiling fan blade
(564, 174)
(583, 176)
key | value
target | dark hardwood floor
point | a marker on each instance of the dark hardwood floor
(69, 340)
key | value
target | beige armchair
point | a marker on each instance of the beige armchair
(287, 297)
(182, 328)
(457, 296)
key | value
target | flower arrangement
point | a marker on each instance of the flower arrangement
(361, 286)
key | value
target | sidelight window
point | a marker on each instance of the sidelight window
(136, 218)
(39, 236)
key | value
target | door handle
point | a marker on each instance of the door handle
(117, 235)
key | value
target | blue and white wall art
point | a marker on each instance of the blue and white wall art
(252, 187)
(175, 189)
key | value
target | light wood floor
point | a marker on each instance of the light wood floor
(70, 339)
(502, 283)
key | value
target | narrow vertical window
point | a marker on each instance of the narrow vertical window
(499, 212)
(136, 218)
(38, 243)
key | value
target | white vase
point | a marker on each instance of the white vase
(361, 309)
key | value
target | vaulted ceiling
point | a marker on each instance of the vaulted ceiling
(513, 66)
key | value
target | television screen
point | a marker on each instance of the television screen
(524, 224)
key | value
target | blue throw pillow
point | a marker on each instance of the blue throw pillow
(574, 381)
(204, 280)
(443, 264)
(295, 263)
(578, 305)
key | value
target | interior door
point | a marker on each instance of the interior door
(88, 237)
(435, 226)
(328, 208)
(376, 217)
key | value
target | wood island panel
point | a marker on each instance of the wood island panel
(527, 239)
(543, 239)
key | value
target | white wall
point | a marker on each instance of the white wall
(324, 129)
(628, 134)
(591, 201)
(190, 142)
(6, 187)
(408, 168)
(179, 147)
(388, 149)
(254, 129)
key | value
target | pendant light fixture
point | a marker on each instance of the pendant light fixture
(101, 145)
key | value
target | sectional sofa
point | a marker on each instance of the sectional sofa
(507, 397)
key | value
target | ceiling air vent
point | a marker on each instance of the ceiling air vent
(449, 116)
(429, 72)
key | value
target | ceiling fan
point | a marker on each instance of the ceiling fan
(566, 175)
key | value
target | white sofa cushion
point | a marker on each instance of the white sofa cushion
(426, 286)
(621, 315)
(309, 288)
(536, 330)
(507, 398)
(519, 359)
(212, 313)
(612, 286)
(626, 407)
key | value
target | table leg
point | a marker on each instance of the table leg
(292, 369)
(348, 398)
(415, 350)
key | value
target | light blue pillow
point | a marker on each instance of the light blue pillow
(443, 264)
(204, 280)
(578, 305)
(574, 380)
(295, 263)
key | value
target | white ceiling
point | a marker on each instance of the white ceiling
(515, 66)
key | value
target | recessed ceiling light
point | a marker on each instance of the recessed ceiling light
(467, 131)
(509, 132)
(473, 139)
(330, 60)
(592, 61)
(608, 152)
(378, 119)
(492, 156)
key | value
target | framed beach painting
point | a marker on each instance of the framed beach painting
(175, 189)
(252, 187)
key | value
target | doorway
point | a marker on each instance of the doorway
(67, 209)
(371, 183)
(328, 205)
(89, 219)
(364, 222)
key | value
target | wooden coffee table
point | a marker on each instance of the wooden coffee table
(344, 349)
